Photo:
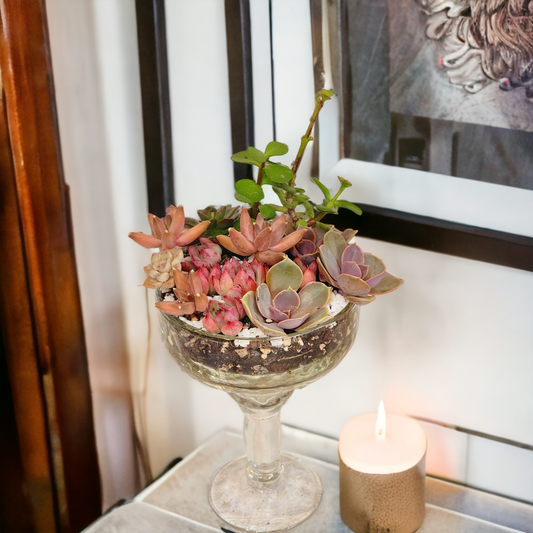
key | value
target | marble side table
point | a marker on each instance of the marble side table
(178, 500)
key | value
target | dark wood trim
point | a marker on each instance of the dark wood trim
(155, 94)
(40, 310)
(440, 236)
(315, 8)
(272, 72)
(239, 45)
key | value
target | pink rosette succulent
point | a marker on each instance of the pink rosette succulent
(169, 232)
(206, 254)
(236, 278)
(264, 239)
(222, 318)
(190, 295)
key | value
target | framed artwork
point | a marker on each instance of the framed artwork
(444, 87)
(415, 89)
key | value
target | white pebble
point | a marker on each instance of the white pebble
(241, 342)
(198, 324)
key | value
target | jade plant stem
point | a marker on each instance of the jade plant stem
(306, 139)
(255, 207)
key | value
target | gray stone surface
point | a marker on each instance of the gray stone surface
(140, 517)
(179, 502)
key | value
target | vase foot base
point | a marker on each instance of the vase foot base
(282, 506)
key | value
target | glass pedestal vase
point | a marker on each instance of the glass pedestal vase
(266, 490)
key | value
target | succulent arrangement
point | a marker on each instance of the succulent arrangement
(272, 266)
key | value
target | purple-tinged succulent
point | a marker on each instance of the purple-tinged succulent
(306, 250)
(264, 239)
(190, 295)
(277, 305)
(169, 232)
(222, 318)
(359, 276)
(207, 253)
(159, 271)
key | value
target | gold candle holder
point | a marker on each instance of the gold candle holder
(382, 475)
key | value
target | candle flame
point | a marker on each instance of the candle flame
(381, 422)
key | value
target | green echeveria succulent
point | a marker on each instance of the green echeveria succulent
(360, 276)
(279, 305)
(220, 219)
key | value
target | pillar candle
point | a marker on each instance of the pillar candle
(382, 473)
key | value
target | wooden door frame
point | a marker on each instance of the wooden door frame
(40, 308)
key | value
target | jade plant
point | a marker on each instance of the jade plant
(237, 267)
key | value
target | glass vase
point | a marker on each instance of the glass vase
(266, 490)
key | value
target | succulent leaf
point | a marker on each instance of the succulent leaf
(275, 148)
(293, 322)
(352, 268)
(387, 284)
(250, 305)
(264, 300)
(360, 300)
(324, 274)
(352, 286)
(314, 296)
(225, 241)
(241, 243)
(330, 262)
(284, 275)
(336, 243)
(375, 264)
(287, 301)
(175, 308)
(353, 253)
(318, 316)
(288, 241)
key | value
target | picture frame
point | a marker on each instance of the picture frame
(390, 221)
(331, 50)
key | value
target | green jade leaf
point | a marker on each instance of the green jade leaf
(250, 190)
(278, 173)
(275, 148)
(348, 205)
(323, 188)
(243, 199)
(267, 211)
(250, 156)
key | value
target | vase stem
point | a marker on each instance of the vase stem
(262, 433)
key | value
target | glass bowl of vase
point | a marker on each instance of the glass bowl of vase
(266, 490)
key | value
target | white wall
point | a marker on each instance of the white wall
(453, 344)
(94, 57)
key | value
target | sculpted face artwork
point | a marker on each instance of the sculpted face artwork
(484, 41)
